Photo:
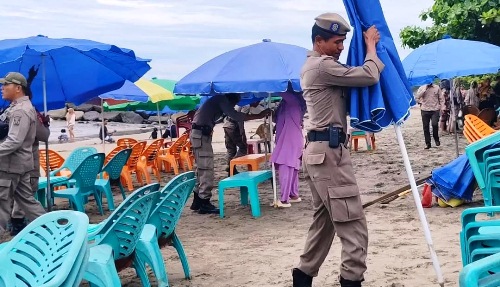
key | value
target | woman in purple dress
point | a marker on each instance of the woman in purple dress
(289, 145)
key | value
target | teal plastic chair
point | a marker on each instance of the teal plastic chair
(476, 234)
(84, 179)
(475, 153)
(117, 240)
(161, 229)
(51, 251)
(481, 273)
(75, 158)
(113, 169)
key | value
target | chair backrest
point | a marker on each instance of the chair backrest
(123, 233)
(476, 126)
(47, 251)
(185, 122)
(152, 151)
(176, 181)
(86, 173)
(115, 165)
(126, 142)
(77, 156)
(112, 153)
(135, 155)
(176, 147)
(469, 109)
(55, 160)
(168, 211)
(488, 116)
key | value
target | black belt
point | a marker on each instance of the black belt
(321, 136)
(205, 130)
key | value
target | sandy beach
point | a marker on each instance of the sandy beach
(240, 250)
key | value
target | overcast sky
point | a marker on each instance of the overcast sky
(180, 35)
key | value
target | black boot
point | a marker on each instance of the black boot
(349, 283)
(196, 202)
(301, 279)
(206, 207)
(18, 224)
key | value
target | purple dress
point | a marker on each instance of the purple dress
(289, 144)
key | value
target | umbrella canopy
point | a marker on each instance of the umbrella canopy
(389, 101)
(178, 103)
(141, 91)
(75, 70)
(264, 67)
(449, 58)
(454, 180)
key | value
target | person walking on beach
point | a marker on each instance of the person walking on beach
(70, 123)
(472, 97)
(431, 102)
(16, 151)
(326, 160)
(289, 145)
(201, 143)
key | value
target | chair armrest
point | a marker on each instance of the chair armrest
(472, 273)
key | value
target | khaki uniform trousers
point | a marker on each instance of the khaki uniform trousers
(17, 188)
(17, 212)
(236, 143)
(337, 210)
(204, 159)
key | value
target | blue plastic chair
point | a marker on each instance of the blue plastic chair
(116, 240)
(84, 179)
(113, 169)
(479, 273)
(161, 229)
(75, 158)
(51, 251)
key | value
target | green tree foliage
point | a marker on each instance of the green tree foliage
(477, 20)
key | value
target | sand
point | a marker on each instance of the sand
(240, 250)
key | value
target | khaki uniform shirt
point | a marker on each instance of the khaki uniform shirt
(324, 81)
(431, 99)
(213, 109)
(42, 134)
(16, 150)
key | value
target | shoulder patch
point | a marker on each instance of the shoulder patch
(16, 120)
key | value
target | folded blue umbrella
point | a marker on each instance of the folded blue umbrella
(449, 58)
(265, 67)
(75, 70)
(454, 180)
(389, 101)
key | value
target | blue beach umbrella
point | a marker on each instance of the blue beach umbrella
(449, 58)
(387, 102)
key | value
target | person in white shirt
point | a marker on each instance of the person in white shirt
(70, 122)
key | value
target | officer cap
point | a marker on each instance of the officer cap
(14, 78)
(333, 23)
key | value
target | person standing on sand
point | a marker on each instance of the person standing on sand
(326, 160)
(201, 143)
(70, 123)
(289, 145)
(431, 101)
(472, 97)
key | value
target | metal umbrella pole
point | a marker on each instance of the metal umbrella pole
(102, 129)
(271, 141)
(48, 194)
(159, 117)
(418, 203)
(454, 114)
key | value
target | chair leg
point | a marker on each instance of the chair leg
(101, 270)
(373, 142)
(120, 185)
(355, 144)
(221, 202)
(98, 200)
(148, 251)
(182, 255)
(77, 202)
(109, 194)
(156, 171)
(140, 270)
(254, 200)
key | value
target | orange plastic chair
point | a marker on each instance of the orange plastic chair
(356, 135)
(171, 157)
(475, 128)
(126, 142)
(147, 160)
(252, 161)
(131, 167)
(186, 156)
(55, 162)
(112, 153)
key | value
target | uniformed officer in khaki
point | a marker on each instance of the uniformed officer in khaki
(16, 155)
(201, 143)
(327, 163)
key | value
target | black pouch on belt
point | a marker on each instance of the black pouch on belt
(334, 140)
(206, 130)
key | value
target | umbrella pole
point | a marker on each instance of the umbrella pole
(102, 130)
(418, 203)
(159, 117)
(271, 142)
(48, 194)
(454, 116)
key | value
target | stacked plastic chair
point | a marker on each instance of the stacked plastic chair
(161, 227)
(148, 160)
(51, 251)
(116, 239)
(131, 167)
(74, 159)
(475, 129)
(479, 240)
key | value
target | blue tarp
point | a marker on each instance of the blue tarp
(454, 180)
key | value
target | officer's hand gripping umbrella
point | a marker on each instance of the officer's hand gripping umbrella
(387, 102)
(73, 70)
